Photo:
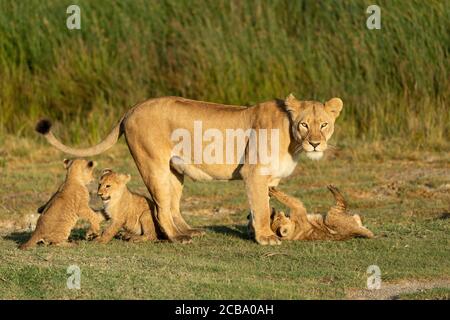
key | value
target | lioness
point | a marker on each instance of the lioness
(153, 130)
(66, 206)
(338, 224)
(127, 210)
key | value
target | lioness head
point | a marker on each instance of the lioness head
(112, 185)
(80, 169)
(312, 123)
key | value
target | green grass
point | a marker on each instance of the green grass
(394, 81)
(404, 199)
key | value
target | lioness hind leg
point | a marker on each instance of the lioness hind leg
(156, 175)
(153, 163)
(176, 187)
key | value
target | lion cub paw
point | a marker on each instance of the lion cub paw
(91, 236)
(268, 240)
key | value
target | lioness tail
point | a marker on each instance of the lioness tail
(44, 127)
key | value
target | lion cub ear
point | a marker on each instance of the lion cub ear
(292, 105)
(67, 163)
(92, 164)
(334, 107)
(105, 171)
(126, 178)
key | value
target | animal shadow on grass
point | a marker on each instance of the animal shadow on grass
(444, 216)
(239, 231)
(20, 237)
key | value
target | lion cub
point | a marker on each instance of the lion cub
(127, 210)
(338, 224)
(66, 206)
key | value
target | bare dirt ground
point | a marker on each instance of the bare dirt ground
(393, 291)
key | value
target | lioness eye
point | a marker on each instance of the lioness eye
(324, 125)
(304, 124)
(108, 186)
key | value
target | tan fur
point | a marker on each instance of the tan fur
(148, 128)
(127, 210)
(336, 225)
(69, 204)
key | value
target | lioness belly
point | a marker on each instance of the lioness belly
(204, 172)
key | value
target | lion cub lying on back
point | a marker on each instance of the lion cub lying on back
(66, 206)
(127, 210)
(338, 224)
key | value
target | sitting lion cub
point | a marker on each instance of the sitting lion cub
(336, 225)
(66, 206)
(127, 210)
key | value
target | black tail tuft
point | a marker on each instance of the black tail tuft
(43, 126)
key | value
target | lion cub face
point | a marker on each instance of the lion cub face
(112, 185)
(82, 170)
(313, 123)
(281, 225)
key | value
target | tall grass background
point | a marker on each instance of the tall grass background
(395, 82)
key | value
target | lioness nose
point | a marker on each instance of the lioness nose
(314, 144)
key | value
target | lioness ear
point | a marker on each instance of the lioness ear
(67, 163)
(292, 105)
(334, 107)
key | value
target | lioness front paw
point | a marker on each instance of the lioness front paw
(268, 240)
